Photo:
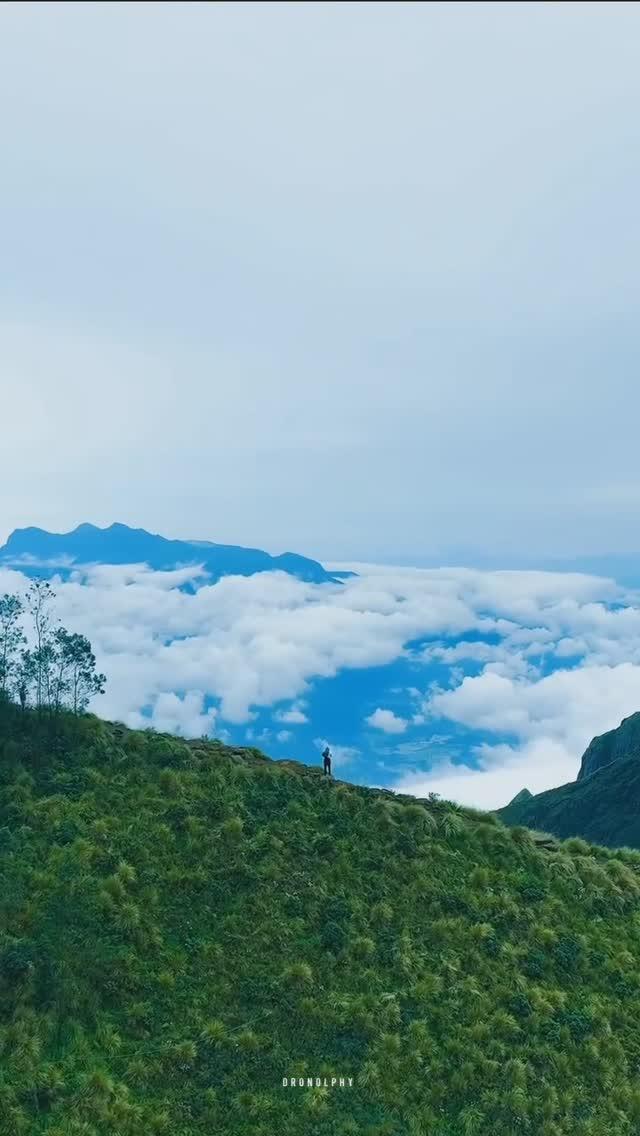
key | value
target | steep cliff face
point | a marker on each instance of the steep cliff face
(615, 745)
(602, 804)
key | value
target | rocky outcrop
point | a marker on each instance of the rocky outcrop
(615, 745)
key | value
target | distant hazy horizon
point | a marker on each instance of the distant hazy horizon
(618, 565)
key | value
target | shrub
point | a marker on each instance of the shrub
(298, 974)
(214, 1033)
(18, 960)
(522, 836)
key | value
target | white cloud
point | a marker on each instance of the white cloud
(553, 719)
(567, 706)
(173, 714)
(250, 642)
(262, 737)
(387, 721)
(293, 717)
(504, 772)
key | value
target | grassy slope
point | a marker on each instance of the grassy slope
(604, 807)
(182, 925)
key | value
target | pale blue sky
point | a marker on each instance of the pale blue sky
(355, 279)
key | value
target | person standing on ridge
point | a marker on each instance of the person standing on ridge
(326, 758)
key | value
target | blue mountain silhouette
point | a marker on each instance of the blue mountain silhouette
(36, 552)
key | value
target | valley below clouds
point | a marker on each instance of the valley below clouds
(469, 683)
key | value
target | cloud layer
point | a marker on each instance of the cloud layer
(535, 663)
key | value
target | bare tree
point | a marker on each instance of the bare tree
(39, 662)
(11, 640)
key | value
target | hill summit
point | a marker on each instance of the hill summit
(37, 552)
(523, 795)
(195, 939)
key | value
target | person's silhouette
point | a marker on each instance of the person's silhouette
(326, 758)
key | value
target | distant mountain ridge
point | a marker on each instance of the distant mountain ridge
(602, 804)
(37, 552)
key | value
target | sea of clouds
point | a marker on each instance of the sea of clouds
(537, 663)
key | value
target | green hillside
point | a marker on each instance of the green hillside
(182, 925)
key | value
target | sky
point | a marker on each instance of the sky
(357, 280)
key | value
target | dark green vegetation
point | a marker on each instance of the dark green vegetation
(603, 805)
(182, 925)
